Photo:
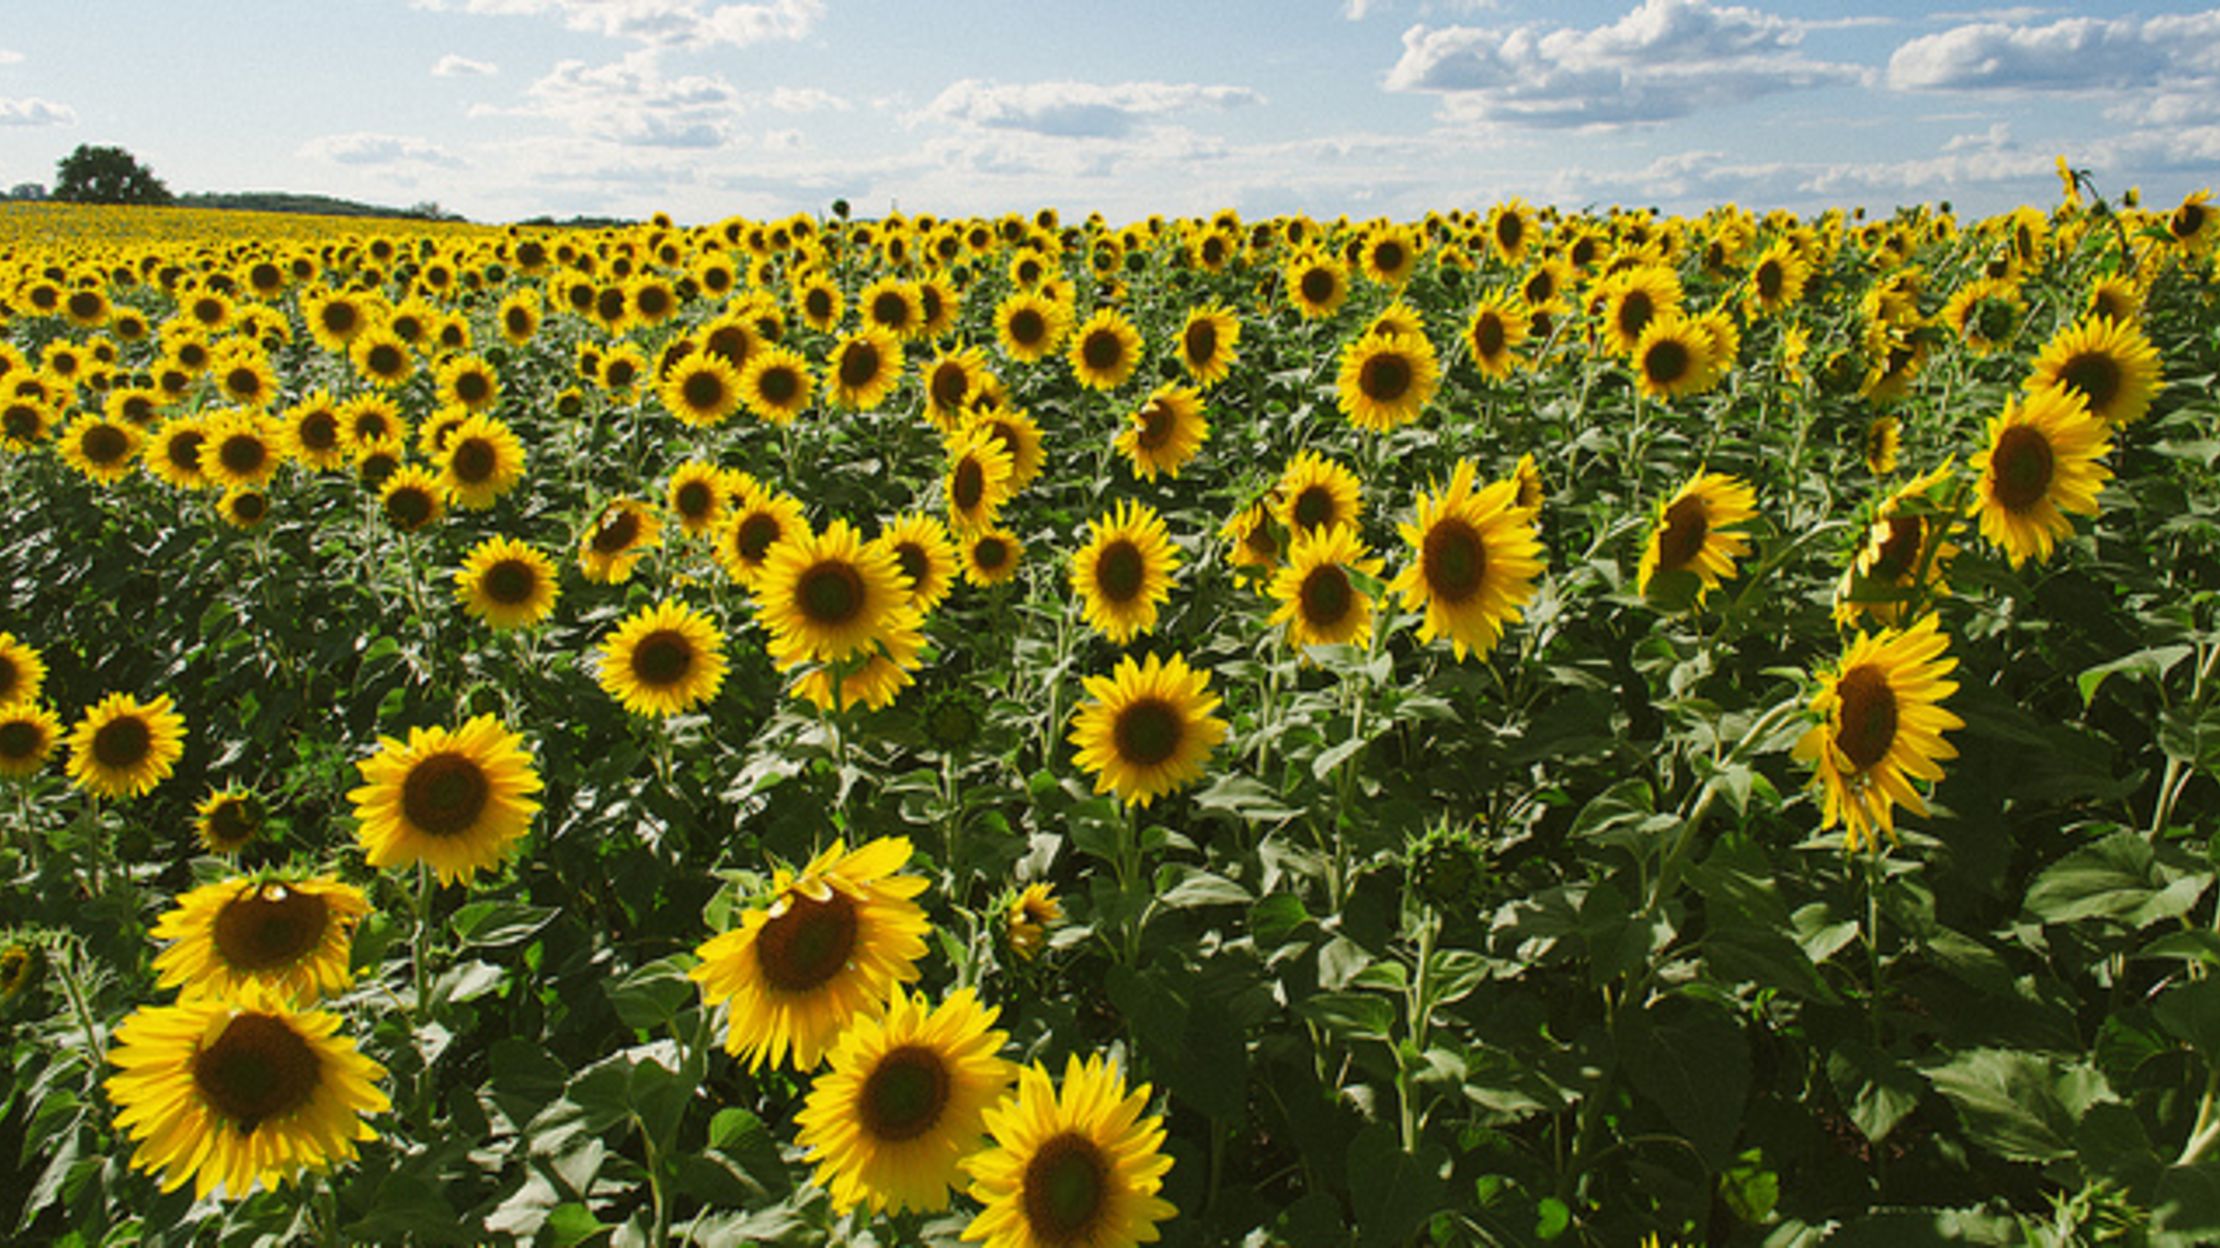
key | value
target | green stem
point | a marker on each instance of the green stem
(422, 956)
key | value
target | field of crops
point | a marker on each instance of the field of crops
(1508, 727)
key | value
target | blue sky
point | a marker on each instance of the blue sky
(707, 108)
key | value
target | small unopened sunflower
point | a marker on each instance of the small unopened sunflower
(1079, 1166)
(2043, 460)
(1880, 728)
(457, 799)
(831, 945)
(904, 1102)
(1147, 728)
(1694, 534)
(1124, 572)
(1475, 556)
(663, 659)
(291, 936)
(124, 747)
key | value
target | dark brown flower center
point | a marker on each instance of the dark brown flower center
(243, 454)
(1200, 342)
(1065, 1190)
(318, 430)
(1157, 423)
(258, 1069)
(808, 943)
(1318, 285)
(1770, 280)
(990, 553)
(970, 485)
(1635, 311)
(859, 365)
(340, 318)
(1148, 732)
(1326, 597)
(1120, 572)
(950, 384)
(890, 310)
(778, 386)
(11, 680)
(818, 303)
(2188, 220)
(1687, 523)
(695, 499)
(511, 582)
(474, 461)
(104, 445)
(1453, 560)
(1385, 377)
(1868, 716)
(704, 391)
(269, 927)
(1488, 336)
(409, 507)
(619, 529)
(2097, 376)
(905, 1094)
(1027, 327)
(831, 593)
(20, 739)
(123, 743)
(753, 536)
(250, 506)
(21, 421)
(2022, 465)
(1899, 551)
(445, 794)
(1389, 257)
(1103, 350)
(386, 360)
(662, 658)
(243, 383)
(915, 564)
(1666, 362)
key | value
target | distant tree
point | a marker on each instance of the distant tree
(106, 175)
(27, 190)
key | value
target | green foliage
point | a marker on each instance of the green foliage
(93, 174)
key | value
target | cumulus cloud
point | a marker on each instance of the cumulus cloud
(660, 23)
(35, 112)
(378, 150)
(1076, 109)
(2071, 54)
(632, 103)
(1663, 59)
(803, 100)
(453, 66)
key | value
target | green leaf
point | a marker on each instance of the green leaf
(1694, 1062)
(2117, 878)
(2150, 664)
(1393, 1192)
(1877, 1089)
(2187, 1209)
(2113, 1145)
(2194, 740)
(651, 996)
(572, 1223)
(1351, 1015)
(491, 924)
(1201, 888)
(2018, 1105)
(1245, 797)
(2190, 1009)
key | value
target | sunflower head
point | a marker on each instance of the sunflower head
(1475, 557)
(28, 735)
(1386, 380)
(1105, 350)
(124, 747)
(1880, 728)
(1073, 1166)
(826, 597)
(1164, 432)
(1027, 914)
(2110, 364)
(22, 671)
(1693, 544)
(1124, 572)
(229, 820)
(290, 935)
(1321, 601)
(455, 799)
(663, 660)
(1147, 728)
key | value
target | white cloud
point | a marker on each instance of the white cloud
(453, 66)
(1076, 109)
(1663, 59)
(2072, 54)
(1996, 138)
(1356, 10)
(661, 23)
(803, 100)
(9, 56)
(782, 140)
(377, 150)
(35, 112)
(630, 102)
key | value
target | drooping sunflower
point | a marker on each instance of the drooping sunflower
(123, 747)
(1386, 381)
(314, 435)
(664, 659)
(760, 519)
(1499, 323)
(991, 556)
(1124, 572)
(2195, 225)
(829, 947)
(702, 390)
(1147, 728)
(291, 936)
(482, 461)
(978, 479)
(2044, 458)
(1164, 432)
(231, 1093)
(28, 734)
(1209, 344)
(241, 449)
(1880, 727)
(228, 819)
(2110, 364)
(101, 449)
(622, 535)
(2117, 297)
(1315, 492)
(1672, 359)
(1475, 557)
(1886, 569)
(921, 548)
(1319, 603)
(904, 1101)
(864, 368)
(1316, 284)
(776, 385)
(1105, 350)
(470, 381)
(457, 799)
(1884, 437)
(1530, 490)
(1026, 917)
(1080, 1166)
(22, 671)
(412, 498)
(1030, 325)
(1694, 534)
(827, 597)
(507, 583)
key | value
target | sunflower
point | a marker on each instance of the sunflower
(241, 450)
(22, 671)
(991, 556)
(1209, 344)
(19, 967)
(174, 453)
(1673, 358)
(1630, 299)
(457, 800)
(1019, 434)
(951, 380)
(1984, 313)
(829, 948)
(243, 507)
(621, 536)
(1389, 255)
(921, 548)
(136, 406)
(1778, 278)
(1124, 572)
(372, 418)
(1256, 547)
(702, 390)
(2116, 297)
(2043, 459)
(482, 461)
(1315, 492)
(468, 380)
(2194, 225)
(776, 385)
(2108, 363)
(412, 498)
(24, 422)
(99, 448)
(1319, 603)
(864, 368)
(872, 678)
(1475, 559)
(819, 302)
(1530, 491)
(1030, 325)
(1164, 432)
(229, 1093)
(1386, 381)
(378, 460)
(519, 316)
(1079, 1166)
(978, 478)
(28, 733)
(697, 494)
(1694, 537)
(1884, 437)
(904, 1101)
(1105, 350)
(623, 370)
(1316, 284)
(892, 305)
(1147, 728)
(227, 819)
(1396, 318)
(1881, 726)
(1493, 333)
(507, 583)
(123, 747)
(759, 521)
(291, 936)
(382, 358)
(827, 597)
(1026, 917)
(244, 378)
(663, 660)
(1887, 568)
(313, 434)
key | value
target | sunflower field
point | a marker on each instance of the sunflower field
(1518, 726)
